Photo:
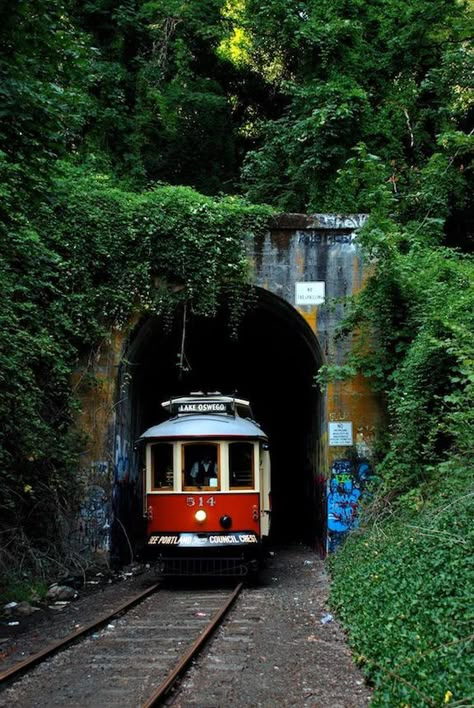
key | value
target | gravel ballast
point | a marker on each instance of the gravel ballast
(279, 645)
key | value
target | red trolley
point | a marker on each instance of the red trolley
(207, 487)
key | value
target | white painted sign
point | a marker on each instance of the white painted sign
(310, 292)
(340, 434)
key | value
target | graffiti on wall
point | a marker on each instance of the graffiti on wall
(93, 528)
(346, 487)
(122, 458)
(127, 527)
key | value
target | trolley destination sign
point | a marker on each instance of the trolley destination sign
(200, 540)
(201, 406)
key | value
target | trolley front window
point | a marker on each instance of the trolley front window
(162, 466)
(201, 466)
(241, 467)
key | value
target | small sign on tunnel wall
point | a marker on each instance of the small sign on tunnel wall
(310, 293)
(340, 434)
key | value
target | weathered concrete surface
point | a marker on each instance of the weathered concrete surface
(96, 384)
(323, 249)
(316, 248)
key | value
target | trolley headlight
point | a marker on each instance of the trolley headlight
(226, 521)
(200, 516)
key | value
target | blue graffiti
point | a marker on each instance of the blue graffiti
(346, 486)
(342, 507)
(121, 462)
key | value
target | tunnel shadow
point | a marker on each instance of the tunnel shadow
(272, 362)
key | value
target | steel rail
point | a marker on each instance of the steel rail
(52, 649)
(194, 649)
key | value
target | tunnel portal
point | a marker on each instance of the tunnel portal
(272, 362)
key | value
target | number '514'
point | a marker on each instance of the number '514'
(200, 501)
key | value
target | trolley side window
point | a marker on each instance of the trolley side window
(162, 466)
(201, 466)
(241, 467)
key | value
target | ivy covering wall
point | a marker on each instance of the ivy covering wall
(401, 584)
(92, 256)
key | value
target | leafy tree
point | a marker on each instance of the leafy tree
(353, 72)
(43, 62)
(43, 81)
(168, 104)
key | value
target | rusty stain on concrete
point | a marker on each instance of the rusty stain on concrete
(311, 318)
(96, 385)
(323, 247)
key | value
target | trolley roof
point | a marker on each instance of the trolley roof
(205, 416)
(204, 426)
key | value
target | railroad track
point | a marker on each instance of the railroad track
(131, 658)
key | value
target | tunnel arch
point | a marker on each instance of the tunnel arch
(272, 362)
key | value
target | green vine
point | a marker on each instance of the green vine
(92, 256)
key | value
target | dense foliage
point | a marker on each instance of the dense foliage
(336, 105)
(388, 75)
(401, 585)
(89, 260)
(404, 589)
(168, 104)
(188, 93)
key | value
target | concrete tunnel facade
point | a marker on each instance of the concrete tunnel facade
(321, 440)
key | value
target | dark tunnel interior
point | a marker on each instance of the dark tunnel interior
(272, 363)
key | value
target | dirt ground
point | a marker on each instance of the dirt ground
(278, 646)
(22, 636)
